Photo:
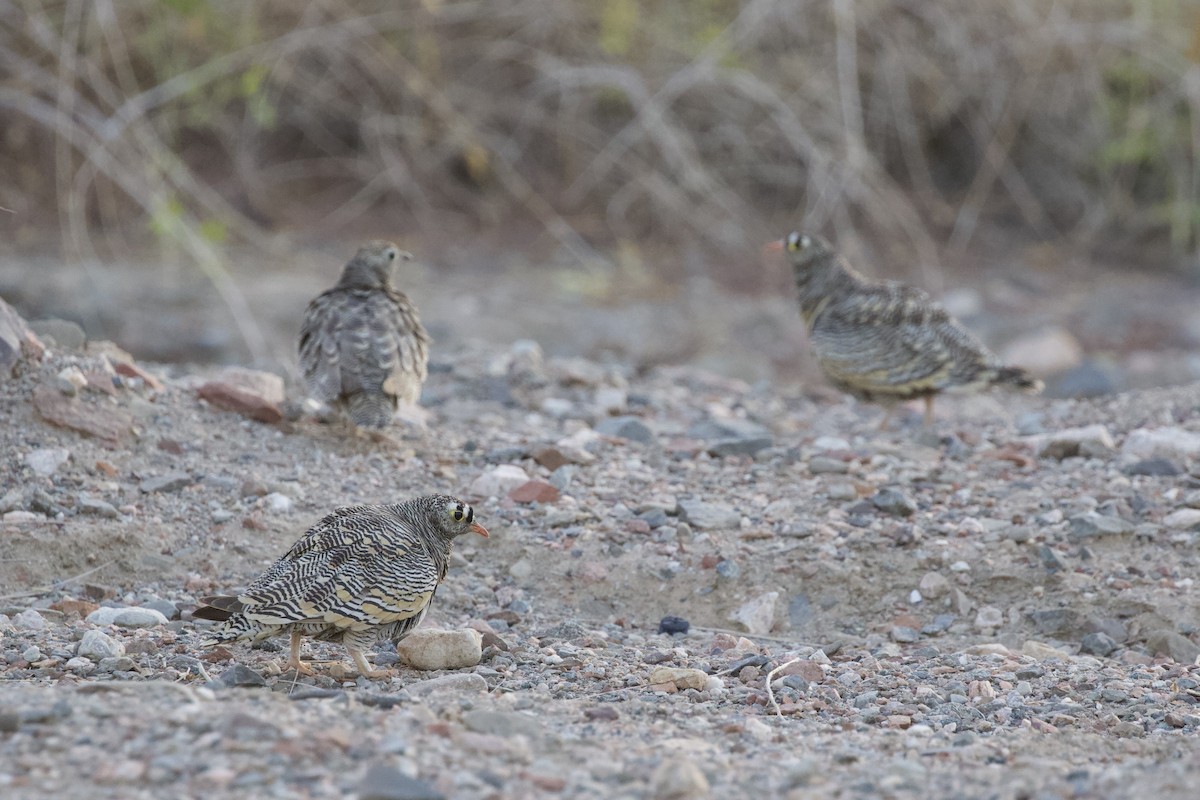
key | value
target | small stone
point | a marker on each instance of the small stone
(1183, 519)
(1100, 644)
(757, 616)
(550, 457)
(894, 502)
(682, 677)
(825, 465)
(502, 723)
(169, 482)
(1178, 443)
(29, 620)
(21, 517)
(32, 654)
(168, 609)
(1174, 645)
(1045, 351)
(103, 422)
(498, 481)
(239, 675)
(671, 625)
(1091, 524)
(626, 427)
(904, 634)
(1042, 651)
(67, 335)
(46, 461)
(251, 393)
(610, 400)
(70, 381)
(80, 665)
(708, 516)
(17, 341)
(138, 618)
(678, 778)
(601, 713)
(96, 507)
(384, 782)
(432, 648)
(98, 645)
(989, 617)
(1158, 466)
(1093, 441)
(534, 491)
(933, 585)
(460, 682)
(278, 503)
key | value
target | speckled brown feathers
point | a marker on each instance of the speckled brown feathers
(883, 341)
(362, 345)
(360, 574)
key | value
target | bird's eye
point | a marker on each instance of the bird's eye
(805, 242)
(391, 254)
(456, 513)
(793, 240)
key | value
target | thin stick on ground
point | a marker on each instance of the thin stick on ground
(771, 692)
(53, 587)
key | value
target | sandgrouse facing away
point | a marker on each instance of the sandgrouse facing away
(885, 342)
(359, 575)
(362, 345)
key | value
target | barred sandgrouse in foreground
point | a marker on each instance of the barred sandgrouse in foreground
(359, 575)
(362, 345)
(885, 342)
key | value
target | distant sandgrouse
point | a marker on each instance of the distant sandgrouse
(359, 575)
(362, 345)
(886, 342)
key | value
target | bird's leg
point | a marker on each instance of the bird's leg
(364, 669)
(928, 411)
(294, 656)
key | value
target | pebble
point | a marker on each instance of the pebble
(169, 482)
(502, 723)
(384, 782)
(894, 502)
(432, 648)
(251, 393)
(1092, 441)
(823, 465)
(933, 585)
(708, 516)
(681, 677)
(1097, 643)
(98, 645)
(534, 491)
(97, 507)
(757, 616)
(1090, 524)
(240, 676)
(989, 617)
(626, 427)
(45, 461)
(134, 617)
(498, 481)
(1184, 519)
(278, 503)
(461, 682)
(1175, 645)
(1157, 466)
(670, 625)
(1162, 442)
(678, 778)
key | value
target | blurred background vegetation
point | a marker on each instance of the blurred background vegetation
(594, 125)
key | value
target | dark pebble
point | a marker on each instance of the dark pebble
(240, 675)
(673, 625)
(1154, 466)
(388, 783)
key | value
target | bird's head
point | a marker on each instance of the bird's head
(373, 265)
(451, 517)
(803, 250)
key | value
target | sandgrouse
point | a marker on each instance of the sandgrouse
(359, 575)
(362, 345)
(885, 342)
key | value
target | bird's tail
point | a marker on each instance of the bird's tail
(370, 410)
(227, 610)
(1018, 379)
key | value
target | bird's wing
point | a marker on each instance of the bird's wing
(383, 346)
(320, 351)
(894, 339)
(353, 570)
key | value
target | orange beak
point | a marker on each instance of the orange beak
(475, 527)
(773, 247)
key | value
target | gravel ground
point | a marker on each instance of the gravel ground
(999, 607)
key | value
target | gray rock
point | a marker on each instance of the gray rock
(708, 516)
(748, 446)
(1092, 378)
(678, 778)
(239, 675)
(460, 683)
(733, 428)
(126, 617)
(1177, 443)
(13, 333)
(98, 645)
(989, 617)
(757, 616)
(1183, 519)
(1091, 524)
(498, 481)
(626, 427)
(165, 607)
(46, 461)
(894, 502)
(170, 482)
(502, 723)
(97, 507)
(1158, 466)
(933, 585)
(432, 648)
(29, 620)
(1051, 560)
(383, 782)
(1093, 441)
(904, 634)
(825, 465)
(1100, 644)
(1176, 645)
(66, 334)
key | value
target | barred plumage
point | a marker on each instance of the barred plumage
(886, 342)
(361, 574)
(362, 345)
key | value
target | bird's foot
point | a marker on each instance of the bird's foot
(302, 669)
(364, 669)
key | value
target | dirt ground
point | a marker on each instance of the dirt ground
(1002, 606)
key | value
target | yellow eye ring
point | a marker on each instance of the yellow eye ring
(456, 513)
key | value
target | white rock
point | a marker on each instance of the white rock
(278, 503)
(679, 778)
(498, 481)
(758, 615)
(70, 381)
(831, 443)
(19, 517)
(29, 620)
(1092, 441)
(1165, 442)
(126, 617)
(455, 682)
(1183, 519)
(46, 461)
(557, 407)
(915, 597)
(80, 665)
(933, 585)
(989, 617)
(1044, 352)
(431, 648)
(611, 400)
(960, 566)
(97, 644)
